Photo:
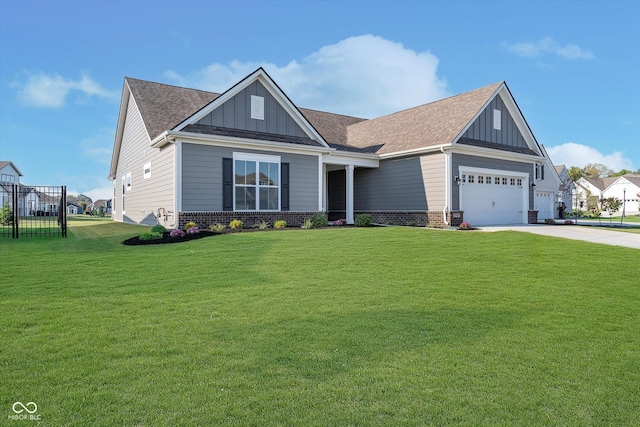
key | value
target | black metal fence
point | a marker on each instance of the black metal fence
(33, 211)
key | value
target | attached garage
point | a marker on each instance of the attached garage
(545, 205)
(491, 197)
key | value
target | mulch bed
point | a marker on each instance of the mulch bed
(135, 241)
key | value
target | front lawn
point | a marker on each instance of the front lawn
(378, 326)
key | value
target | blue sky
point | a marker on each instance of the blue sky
(573, 67)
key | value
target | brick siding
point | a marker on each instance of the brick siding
(206, 219)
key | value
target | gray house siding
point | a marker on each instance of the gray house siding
(458, 160)
(482, 128)
(397, 185)
(236, 114)
(145, 195)
(202, 177)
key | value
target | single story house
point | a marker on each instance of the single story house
(74, 209)
(251, 154)
(626, 188)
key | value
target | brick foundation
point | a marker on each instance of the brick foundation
(206, 219)
(532, 217)
(417, 219)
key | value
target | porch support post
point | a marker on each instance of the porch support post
(349, 170)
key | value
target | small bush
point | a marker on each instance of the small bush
(364, 220)
(340, 222)
(150, 235)
(433, 225)
(568, 222)
(263, 225)
(308, 225)
(158, 229)
(189, 225)
(217, 227)
(193, 230)
(549, 221)
(6, 215)
(177, 233)
(236, 224)
(465, 226)
(281, 223)
(318, 220)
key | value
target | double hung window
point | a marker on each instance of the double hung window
(256, 182)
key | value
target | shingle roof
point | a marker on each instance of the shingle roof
(633, 178)
(163, 107)
(432, 124)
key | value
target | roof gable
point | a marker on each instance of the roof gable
(5, 163)
(429, 125)
(292, 120)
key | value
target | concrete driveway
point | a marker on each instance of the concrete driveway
(585, 233)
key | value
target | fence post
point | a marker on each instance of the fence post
(63, 204)
(14, 208)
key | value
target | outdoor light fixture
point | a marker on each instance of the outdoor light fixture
(533, 184)
(457, 180)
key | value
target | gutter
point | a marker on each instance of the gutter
(447, 184)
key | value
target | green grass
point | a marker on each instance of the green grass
(346, 327)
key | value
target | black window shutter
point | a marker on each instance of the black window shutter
(542, 172)
(284, 186)
(227, 184)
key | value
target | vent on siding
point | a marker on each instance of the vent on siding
(257, 107)
(497, 119)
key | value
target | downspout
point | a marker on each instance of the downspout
(447, 185)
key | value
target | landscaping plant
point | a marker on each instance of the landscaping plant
(364, 220)
(281, 223)
(236, 224)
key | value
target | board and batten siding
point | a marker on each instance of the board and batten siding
(236, 114)
(458, 160)
(408, 184)
(202, 177)
(482, 128)
(146, 195)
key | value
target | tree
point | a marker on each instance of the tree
(6, 216)
(611, 205)
(596, 170)
(83, 198)
(621, 172)
(575, 173)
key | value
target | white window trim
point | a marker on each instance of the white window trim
(128, 181)
(257, 158)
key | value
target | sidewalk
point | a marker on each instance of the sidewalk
(584, 233)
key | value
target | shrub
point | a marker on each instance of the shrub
(177, 233)
(189, 225)
(150, 235)
(465, 226)
(549, 221)
(158, 229)
(236, 224)
(6, 216)
(217, 227)
(281, 223)
(318, 220)
(433, 225)
(263, 225)
(193, 230)
(364, 220)
(308, 225)
(568, 222)
(339, 222)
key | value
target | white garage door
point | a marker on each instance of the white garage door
(493, 198)
(544, 204)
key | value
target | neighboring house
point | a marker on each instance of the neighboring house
(74, 209)
(565, 189)
(102, 203)
(249, 153)
(9, 175)
(589, 191)
(627, 189)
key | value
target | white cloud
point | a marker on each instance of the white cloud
(572, 154)
(50, 91)
(100, 193)
(365, 76)
(549, 45)
(98, 146)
